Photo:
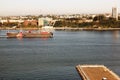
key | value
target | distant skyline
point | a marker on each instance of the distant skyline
(37, 7)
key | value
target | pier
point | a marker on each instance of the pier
(96, 72)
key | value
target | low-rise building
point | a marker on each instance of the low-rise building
(30, 22)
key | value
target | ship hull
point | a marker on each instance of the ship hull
(31, 35)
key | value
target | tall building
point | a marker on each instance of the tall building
(114, 13)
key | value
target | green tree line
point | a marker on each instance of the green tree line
(98, 21)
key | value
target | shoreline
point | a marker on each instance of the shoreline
(67, 29)
(87, 29)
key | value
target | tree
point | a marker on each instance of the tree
(118, 17)
(0, 24)
(95, 18)
(58, 24)
(99, 18)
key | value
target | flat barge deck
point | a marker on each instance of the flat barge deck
(96, 72)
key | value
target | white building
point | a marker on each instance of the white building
(114, 13)
(12, 21)
(3, 21)
(44, 21)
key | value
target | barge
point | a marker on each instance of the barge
(46, 32)
(96, 72)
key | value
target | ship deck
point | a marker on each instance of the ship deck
(96, 72)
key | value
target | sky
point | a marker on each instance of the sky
(37, 7)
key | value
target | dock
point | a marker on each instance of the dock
(96, 72)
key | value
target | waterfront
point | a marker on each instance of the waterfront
(56, 58)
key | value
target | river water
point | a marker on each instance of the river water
(55, 58)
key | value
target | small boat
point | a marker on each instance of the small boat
(42, 34)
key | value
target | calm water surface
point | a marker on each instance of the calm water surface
(56, 58)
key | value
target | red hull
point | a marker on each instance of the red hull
(31, 35)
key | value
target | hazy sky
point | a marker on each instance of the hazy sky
(29, 7)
